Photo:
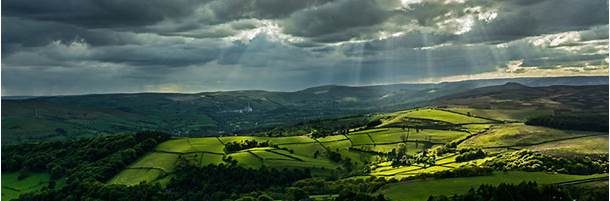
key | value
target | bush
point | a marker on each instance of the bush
(470, 155)
(532, 161)
(232, 147)
(295, 194)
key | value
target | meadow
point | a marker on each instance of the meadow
(420, 190)
(12, 186)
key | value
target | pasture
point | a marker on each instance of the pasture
(12, 187)
(518, 134)
(445, 116)
(420, 190)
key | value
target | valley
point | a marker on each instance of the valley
(440, 135)
(448, 146)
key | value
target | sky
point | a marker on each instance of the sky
(58, 47)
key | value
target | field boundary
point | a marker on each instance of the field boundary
(471, 115)
(397, 142)
(282, 154)
(221, 142)
(257, 156)
(520, 146)
(188, 152)
(580, 181)
(148, 168)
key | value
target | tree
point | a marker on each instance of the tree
(295, 194)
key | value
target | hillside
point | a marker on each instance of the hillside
(409, 155)
(513, 95)
(219, 113)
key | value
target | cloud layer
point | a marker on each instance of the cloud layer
(86, 46)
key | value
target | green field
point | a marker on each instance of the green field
(585, 145)
(306, 150)
(360, 139)
(393, 135)
(504, 114)
(176, 145)
(442, 163)
(210, 150)
(13, 187)
(162, 161)
(209, 144)
(517, 134)
(247, 159)
(332, 138)
(135, 176)
(420, 190)
(290, 140)
(445, 116)
(411, 147)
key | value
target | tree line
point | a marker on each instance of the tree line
(583, 122)
(232, 147)
(98, 158)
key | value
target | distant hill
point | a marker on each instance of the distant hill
(513, 95)
(223, 113)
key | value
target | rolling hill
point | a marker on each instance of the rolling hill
(27, 119)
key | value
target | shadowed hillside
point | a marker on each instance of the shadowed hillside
(217, 113)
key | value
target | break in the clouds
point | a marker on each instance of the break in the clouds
(88, 46)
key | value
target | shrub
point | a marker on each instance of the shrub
(470, 155)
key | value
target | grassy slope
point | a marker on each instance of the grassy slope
(504, 114)
(301, 149)
(519, 134)
(437, 136)
(585, 145)
(210, 150)
(421, 190)
(444, 116)
(12, 187)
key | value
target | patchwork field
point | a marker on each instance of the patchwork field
(422, 189)
(299, 153)
(369, 147)
(443, 163)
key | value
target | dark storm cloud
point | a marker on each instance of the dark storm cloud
(540, 17)
(335, 18)
(227, 10)
(261, 51)
(106, 13)
(87, 46)
(71, 55)
(19, 32)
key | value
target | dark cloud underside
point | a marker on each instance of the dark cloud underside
(91, 46)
